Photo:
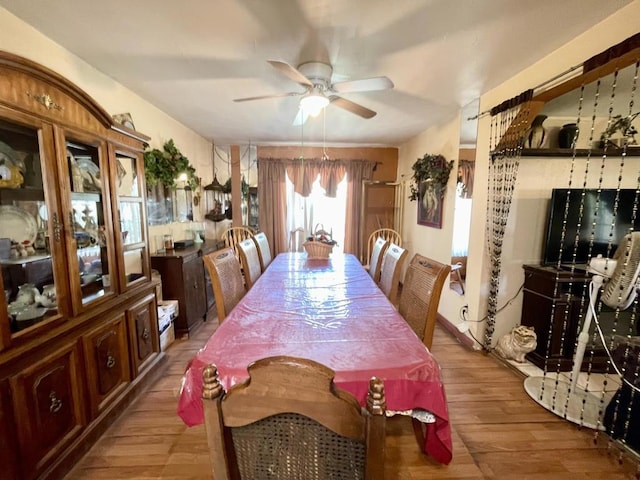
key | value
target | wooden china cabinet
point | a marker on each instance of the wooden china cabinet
(78, 315)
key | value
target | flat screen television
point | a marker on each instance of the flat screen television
(600, 224)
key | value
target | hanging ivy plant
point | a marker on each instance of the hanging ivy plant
(433, 169)
(166, 165)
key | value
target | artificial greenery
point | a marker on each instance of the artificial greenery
(623, 125)
(433, 169)
(164, 166)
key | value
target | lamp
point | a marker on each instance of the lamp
(214, 197)
(314, 102)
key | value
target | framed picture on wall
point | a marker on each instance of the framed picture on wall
(430, 205)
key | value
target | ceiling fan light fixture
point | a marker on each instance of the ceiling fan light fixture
(314, 102)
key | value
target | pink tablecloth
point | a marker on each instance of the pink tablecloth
(331, 312)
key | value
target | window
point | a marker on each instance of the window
(318, 209)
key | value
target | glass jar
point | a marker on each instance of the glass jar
(168, 241)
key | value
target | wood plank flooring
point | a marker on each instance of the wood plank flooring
(498, 432)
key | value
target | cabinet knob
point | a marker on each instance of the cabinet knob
(146, 334)
(195, 285)
(56, 403)
(111, 361)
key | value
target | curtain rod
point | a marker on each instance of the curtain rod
(552, 82)
(595, 61)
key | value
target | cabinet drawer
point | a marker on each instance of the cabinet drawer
(48, 408)
(107, 361)
(143, 333)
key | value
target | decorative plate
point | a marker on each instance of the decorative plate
(17, 224)
(90, 174)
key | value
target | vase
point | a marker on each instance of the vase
(567, 135)
(537, 132)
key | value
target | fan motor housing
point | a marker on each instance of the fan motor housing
(318, 72)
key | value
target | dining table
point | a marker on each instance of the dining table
(330, 311)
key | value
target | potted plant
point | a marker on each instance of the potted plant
(433, 169)
(166, 165)
(623, 125)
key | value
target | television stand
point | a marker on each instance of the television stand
(551, 305)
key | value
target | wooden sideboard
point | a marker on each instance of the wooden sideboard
(553, 304)
(185, 279)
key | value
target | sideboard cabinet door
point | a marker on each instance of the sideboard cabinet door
(48, 408)
(107, 361)
(143, 333)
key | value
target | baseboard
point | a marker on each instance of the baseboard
(463, 338)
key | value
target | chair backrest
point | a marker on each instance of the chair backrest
(391, 268)
(226, 280)
(296, 239)
(388, 234)
(264, 251)
(275, 424)
(234, 235)
(375, 261)
(250, 261)
(420, 295)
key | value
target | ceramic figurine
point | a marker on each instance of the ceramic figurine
(516, 344)
(537, 132)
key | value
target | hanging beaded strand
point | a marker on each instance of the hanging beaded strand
(503, 170)
(631, 364)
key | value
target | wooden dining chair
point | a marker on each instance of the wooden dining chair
(420, 295)
(388, 234)
(375, 261)
(264, 251)
(289, 421)
(296, 239)
(234, 235)
(250, 261)
(391, 269)
(226, 280)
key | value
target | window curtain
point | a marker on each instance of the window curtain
(273, 202)
(358, 171)
(302, 173)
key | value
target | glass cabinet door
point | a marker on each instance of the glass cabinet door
(132, 232)
(89, 249)
(31, 248)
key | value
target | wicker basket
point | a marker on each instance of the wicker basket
(317, 250)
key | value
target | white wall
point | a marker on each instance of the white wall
(432, 242)
(21, 39)
(536, 177)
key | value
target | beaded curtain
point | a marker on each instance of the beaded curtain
(509, 125)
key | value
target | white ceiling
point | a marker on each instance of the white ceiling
(191, 58)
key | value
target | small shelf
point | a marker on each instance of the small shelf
(580, 152)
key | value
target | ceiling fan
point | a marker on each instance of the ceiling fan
(320, 92)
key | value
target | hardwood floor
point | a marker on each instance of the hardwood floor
(498, 432)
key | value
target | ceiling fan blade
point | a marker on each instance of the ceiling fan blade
(291, 72)
(352, 107)
(301, 117)
(363, 85)
(277, 95)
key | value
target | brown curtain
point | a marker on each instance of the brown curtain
(302, 173)
(358, 171)
(272, 199)
(466, 170)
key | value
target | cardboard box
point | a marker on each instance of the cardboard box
(156, 276)
(170, 307)
(167, 337)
